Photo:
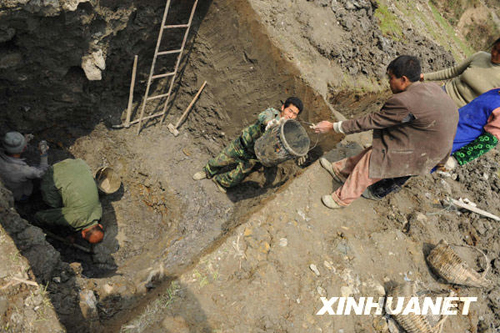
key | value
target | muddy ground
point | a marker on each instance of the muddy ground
(260, 279)
(235, 262)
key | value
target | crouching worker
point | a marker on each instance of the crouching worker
(15, 173)
(240, 154)
(69, 188)
(412, 133)
(478, 132)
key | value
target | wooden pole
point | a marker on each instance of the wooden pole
(131, 93)
(183, 117)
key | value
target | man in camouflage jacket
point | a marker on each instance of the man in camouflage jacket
(240, 153)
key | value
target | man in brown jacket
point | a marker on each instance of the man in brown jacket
(413, 132)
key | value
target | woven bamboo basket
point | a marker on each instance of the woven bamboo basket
(412, 323)
(448, 265)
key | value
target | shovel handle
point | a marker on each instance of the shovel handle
(65, 241)
(190, 105)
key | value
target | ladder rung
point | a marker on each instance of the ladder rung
(156, 97)
(176, 26)
(162, 75)
(146, 118)
(169, 52)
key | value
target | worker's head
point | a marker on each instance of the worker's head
(14, 143)
(93, 234)
(402, 72)
(291, 108)
(495, 52)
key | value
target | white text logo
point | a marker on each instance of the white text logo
(395, 305)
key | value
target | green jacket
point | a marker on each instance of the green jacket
(69, 187)
(251, 133)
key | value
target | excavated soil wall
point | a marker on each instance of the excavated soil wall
(51, 59)
(65, 72)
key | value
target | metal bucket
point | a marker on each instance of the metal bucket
(280, 143)
(107, 180)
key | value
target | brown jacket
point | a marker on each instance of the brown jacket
(413, 132)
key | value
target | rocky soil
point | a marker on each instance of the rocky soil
(180, 256)
(270, 274)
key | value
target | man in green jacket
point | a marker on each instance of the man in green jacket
(69, 188)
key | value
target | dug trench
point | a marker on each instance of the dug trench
(250, 250)
(160, 216)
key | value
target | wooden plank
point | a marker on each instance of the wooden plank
(474, 209)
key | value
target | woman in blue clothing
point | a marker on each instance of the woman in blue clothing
(478, 132)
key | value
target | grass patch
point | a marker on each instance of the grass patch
(442, 35)
(15, 257)
(450, 32)
(452, 10)
(159, 305)
(388, 22)
(46, 304)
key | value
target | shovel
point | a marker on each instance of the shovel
(171, 127)
(67, 242)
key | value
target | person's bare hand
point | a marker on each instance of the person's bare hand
(43, 147)
(28, 137)
(323, 127)
(302, 160)
(421, 77)
(272, 123)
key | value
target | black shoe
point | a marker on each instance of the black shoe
(367, 194)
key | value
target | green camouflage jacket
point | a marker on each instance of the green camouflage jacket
(251, 133)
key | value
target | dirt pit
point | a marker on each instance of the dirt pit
(179, 255)
(160, 216)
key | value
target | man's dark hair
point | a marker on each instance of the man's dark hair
(405, 65)
(295, 101)
(495, 42)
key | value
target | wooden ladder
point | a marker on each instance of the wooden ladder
(173, 74)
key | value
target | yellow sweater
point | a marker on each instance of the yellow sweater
(473, 77)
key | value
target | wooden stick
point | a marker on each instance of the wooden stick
(17, 281)
(65, 241)
(474, 209)
(31, 283)
(10, 283)
(190, 105)
(131, 93)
